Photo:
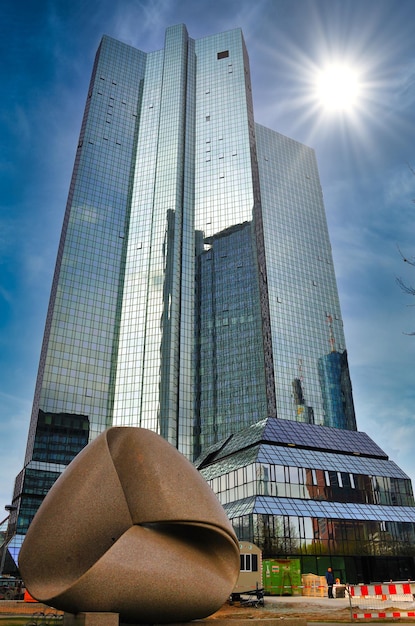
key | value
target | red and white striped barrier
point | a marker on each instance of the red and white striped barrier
(380, 614)
(401, 592)
(395, 592)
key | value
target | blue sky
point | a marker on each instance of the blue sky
(47, 50)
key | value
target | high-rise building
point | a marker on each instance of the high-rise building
(194, 294)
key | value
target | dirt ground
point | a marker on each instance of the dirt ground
(304, 609)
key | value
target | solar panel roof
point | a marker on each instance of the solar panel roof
(296, 435)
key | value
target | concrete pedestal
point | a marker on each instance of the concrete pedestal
(91, 619)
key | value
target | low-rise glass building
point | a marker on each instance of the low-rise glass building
(329, 497)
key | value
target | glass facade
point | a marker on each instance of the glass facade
(74, 389)
(194, 295)
(154, 381)
(310, 362)
(231, 390)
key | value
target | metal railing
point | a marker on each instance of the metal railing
(44, 619)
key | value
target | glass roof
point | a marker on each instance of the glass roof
(321, 438)
(290, 434)
(313, 459)
(320, 508)
(298, 457)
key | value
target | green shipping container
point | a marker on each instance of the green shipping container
(281, 577)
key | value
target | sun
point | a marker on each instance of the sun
(337, 87)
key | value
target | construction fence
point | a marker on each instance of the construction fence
(391, 600)
(388, 600)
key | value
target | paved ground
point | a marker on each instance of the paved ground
(316, 611)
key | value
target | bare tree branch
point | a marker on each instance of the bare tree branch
(405, 259)
(408, 289)
(405, 288)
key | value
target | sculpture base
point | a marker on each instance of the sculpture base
(91, 619)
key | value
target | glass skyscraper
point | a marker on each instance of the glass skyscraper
(194, 294)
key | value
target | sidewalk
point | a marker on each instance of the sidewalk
(331, 603)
